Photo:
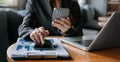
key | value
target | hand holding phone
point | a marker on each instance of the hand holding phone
(61, 20)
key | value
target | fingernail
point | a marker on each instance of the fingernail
(43, 43)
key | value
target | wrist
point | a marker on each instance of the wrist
(62, 33)
(67, 32)
(70, 30)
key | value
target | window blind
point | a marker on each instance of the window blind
(8, 3)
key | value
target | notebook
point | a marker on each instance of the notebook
(25, 49)
(108, 37)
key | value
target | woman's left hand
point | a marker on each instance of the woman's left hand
(64, 24)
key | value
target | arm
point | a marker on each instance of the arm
(29, 28)
(28, 23)
(75, 17)
(75, 22)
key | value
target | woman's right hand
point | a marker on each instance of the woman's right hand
(38, 35)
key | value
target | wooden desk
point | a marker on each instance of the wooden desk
(77, 55)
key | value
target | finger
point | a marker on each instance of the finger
(67, 20)
(36, 35)
(67, 23)
(57, 25)
(32, 37)
(63, 22)
(42, 30)
(41, 38)
(46, 32)
(60, 22)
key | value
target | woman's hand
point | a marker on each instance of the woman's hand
(64, 24)
(39, 34)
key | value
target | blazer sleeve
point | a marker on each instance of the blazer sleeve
(75, 16)
(28, 23)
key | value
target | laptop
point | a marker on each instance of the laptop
(108, 37)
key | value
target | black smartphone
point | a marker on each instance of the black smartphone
(60, 13)
(47, 46)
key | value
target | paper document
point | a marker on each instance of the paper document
(25, 49)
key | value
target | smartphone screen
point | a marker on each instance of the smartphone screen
(60, 13)
(47, 46)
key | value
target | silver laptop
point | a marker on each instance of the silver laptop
(108, 37)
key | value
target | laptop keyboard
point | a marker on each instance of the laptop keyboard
(83, 42)
(80, 42)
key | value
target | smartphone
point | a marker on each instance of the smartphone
(60, 13)
(47, 46)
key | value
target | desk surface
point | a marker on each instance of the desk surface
(77, 55)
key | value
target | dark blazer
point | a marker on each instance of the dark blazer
(39, 13)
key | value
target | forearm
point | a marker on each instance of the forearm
(24, 31)
(28, 23)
